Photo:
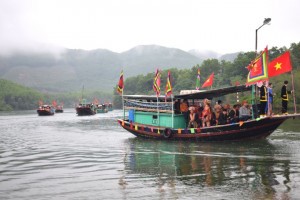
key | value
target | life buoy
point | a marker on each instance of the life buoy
(167, 133)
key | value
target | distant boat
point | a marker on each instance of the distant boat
(85, 108)
(110, 107)
(59, 109)
(101, 109)
(45, 110)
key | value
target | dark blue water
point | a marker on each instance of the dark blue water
(69, 157)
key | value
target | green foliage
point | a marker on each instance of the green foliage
(17, 97)
(226, 73)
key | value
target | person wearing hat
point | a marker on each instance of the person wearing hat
(244, 112)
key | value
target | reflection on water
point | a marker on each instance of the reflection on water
(69, 157)
(229, 170)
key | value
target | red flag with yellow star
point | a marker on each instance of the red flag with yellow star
(280, 65)
(209, 81)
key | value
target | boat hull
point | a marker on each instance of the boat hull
(84, 111)
(44, 113)
(252, 129)
(101, 111)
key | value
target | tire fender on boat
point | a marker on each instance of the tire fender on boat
(167, 133)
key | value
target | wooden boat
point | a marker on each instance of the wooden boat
(59, 109)
(85, 108)
(159, 120)
(110, 107)
(101, 109)
(45, 110)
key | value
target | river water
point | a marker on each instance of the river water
(69, 157)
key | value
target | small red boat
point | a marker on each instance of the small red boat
(45, 110)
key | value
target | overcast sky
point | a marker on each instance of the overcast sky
(224, 26)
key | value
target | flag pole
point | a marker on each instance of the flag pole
(293, 89)
(157, 110)
(172, 110)
(123, 105)
(252, 100)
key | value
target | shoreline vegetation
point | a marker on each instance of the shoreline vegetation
(14, 96)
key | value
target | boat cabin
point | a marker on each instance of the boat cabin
(165, 112)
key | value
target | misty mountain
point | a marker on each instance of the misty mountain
(229, 57)
(96, 69)
(146, 58)
(203, 55)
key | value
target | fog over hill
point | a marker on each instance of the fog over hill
(95, 69)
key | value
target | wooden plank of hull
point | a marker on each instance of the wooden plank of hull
(252, 129)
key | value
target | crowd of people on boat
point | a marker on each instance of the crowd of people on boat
(46, 107)
(205, 114)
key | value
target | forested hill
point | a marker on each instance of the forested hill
(96, 70)
(16, 97)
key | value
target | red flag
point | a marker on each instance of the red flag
(168, 85)
(156, 83)
(120, 86)
(280, 65)
(96, 101)
(54, 103)
(258, 68)
(209, 81)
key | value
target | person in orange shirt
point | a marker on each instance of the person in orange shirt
(184, 109)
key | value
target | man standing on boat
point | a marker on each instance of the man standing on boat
(263, 100)
(285, 97)
(269, 107)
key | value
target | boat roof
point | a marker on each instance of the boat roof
(146, 97)
(209, 94)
